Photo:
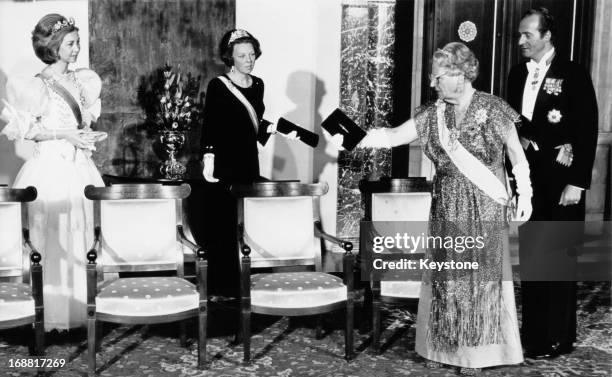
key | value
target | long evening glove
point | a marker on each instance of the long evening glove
(523, 209)
(290, 136)
(376, 138)
(209, 168)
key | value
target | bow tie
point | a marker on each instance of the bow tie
(532, 66)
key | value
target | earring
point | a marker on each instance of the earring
(233, 69)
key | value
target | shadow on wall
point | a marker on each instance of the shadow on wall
(284, 165)
(322, 156)
(306, 91)
(10, 163)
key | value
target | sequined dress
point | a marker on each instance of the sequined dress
(468, 318)
(61, 218)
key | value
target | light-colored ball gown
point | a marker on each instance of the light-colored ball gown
(61, 218)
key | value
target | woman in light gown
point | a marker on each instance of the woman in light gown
(467, 318)
(55, 109)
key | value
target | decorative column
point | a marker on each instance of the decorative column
(366, 70)
(598, 197)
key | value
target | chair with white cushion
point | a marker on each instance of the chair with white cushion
(139, 228)
(21, 286)
(278, 227)
(394, 200)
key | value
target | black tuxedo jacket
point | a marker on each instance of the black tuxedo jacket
(567, 91)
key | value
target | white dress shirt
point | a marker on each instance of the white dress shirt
(535, 77)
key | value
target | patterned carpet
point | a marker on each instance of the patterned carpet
(281, 348)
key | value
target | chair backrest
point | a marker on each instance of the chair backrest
(406, 206)
(391, 201)
(138, 226)
(13, 219)
(277, 221)
(407, 199)
(403, 200)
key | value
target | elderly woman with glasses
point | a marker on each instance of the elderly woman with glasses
(467, 318)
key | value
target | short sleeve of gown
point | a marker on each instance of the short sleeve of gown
(92, 85)
(504, 117)
(422, 117)
(27, 101)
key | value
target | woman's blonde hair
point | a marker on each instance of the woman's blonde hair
(457, 57)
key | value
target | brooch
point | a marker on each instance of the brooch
(481, 116)
(554, 116)
(553, 86)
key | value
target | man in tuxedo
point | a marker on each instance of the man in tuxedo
(559, 133)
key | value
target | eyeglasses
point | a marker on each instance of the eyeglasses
(436, 78)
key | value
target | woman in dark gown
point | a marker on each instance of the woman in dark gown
(232, 126)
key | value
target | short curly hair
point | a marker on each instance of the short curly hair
(458, 57)
(46, 41)
(226, 48)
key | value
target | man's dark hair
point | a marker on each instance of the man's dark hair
(547, 21)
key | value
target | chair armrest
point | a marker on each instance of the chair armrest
(242, 246)
(346, 245)
(28, 252)
(33, 266)
(245, 270)
(92, 273)
(348, 260)
(95, 246)
(190, 257)
(36, 273)
(92, 253)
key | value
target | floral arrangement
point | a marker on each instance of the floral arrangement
(179, 100)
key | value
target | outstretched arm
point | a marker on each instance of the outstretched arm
(405, 133)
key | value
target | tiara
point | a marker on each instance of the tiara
(238, 33)
(59, 25)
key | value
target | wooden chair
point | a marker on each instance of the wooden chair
(21, 284)
(138, 228)
(394, 200)
(278, 227)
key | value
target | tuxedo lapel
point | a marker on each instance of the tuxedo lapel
(520, 83)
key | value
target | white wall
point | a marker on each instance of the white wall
(300, 66)
(17, 20)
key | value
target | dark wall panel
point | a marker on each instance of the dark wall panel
(402, 80)
(580, 27)
(129, 41)
(442, 21)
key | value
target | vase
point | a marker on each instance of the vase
(173, 142)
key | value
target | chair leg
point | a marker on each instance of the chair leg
(246, 333)
(183, 333)
(91, 344)
(202, 321)
(319, 327)
(238, 336)
(348, 334)
(99, 334)
(39, 339)
(376, 325)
